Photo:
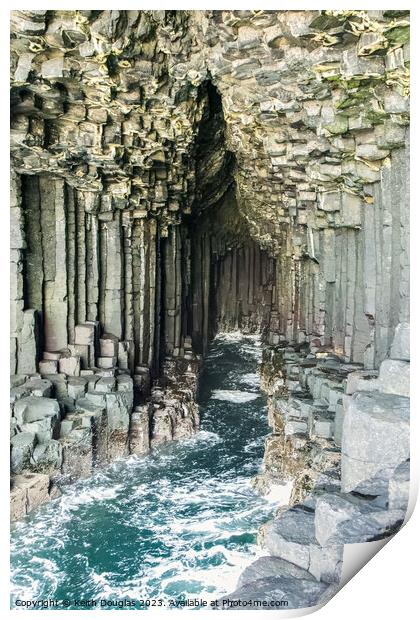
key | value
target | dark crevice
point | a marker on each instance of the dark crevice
(226, 277)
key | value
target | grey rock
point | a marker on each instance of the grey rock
(76, 387)
(77, 454)
(22, 447)
(34, 408)
(48, 367)
(362, 381)
(269, 566)
(394, 377)
(39, 387)
(140, 430)
(290, 536)
(34, 487)
(105, 385)
(70, 365)
(333, 509)
(162, 427)
(366, 528)
(17, 380)
(400, 348)
(47, 457)
(399, 488)
(84, 334)
(268, 594)
(375, 436)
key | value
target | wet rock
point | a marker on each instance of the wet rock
(47, 457)
(28, 492)
(118, 421)
(140, 430)
(77, 454)
(161, 430)
(17, 503)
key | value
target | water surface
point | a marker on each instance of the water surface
(179, 523)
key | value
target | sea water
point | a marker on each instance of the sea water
(178, 524)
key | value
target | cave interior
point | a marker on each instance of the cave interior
(152, 286)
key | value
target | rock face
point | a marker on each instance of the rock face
(375, 436)
(178, 173)
(149, 146)
(340, 448)
(66, 426)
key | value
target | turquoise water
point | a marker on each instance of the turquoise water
(179, 523)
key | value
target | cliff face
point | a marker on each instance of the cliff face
(126, 123)
(175, 173)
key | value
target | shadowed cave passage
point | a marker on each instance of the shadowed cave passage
(215, 277)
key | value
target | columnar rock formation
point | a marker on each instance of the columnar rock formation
(128, 123)
(178, 173)
(338, 464)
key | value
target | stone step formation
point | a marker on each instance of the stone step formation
(70, 419)
(338, 463)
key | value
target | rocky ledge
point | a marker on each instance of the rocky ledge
(338, 462)
(69, 419)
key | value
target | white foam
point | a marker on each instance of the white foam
(192, 517)
(207, 437)
(251, 379)
(253, 445)
(77, 497)
(280, 493)
(233, 396)
(235, 336)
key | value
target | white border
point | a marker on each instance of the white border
(387, 586)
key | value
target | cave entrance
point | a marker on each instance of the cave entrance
(215, 276)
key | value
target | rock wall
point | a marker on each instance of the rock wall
(337, 463)
(176, 173)
(126, 122)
